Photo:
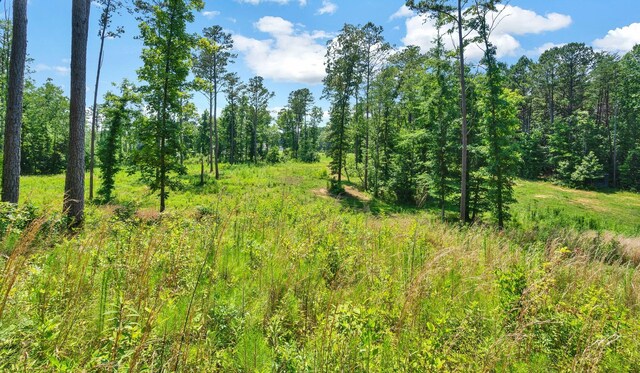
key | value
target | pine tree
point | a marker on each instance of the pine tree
(166, 64)
(340, 85)
(73, 204)
(117, 115)
(210, 67)
(13, 115)
(109, 7)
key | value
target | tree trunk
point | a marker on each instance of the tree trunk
(74, 183)
(463, 106)
(13, 118)
(163, 124)
(202, 170)
(211, 115)
(366, 135)
(216, 151)
(94, 119)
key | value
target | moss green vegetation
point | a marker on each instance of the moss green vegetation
(265, 270)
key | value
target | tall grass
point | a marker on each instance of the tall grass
(267, 275)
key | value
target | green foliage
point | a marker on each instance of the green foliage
(166, 61)
(630, 171)
(117, 116)
(14, 218)
(294, 278)
(588, 171)
(45, 130)
(511, 285)
(274, 156)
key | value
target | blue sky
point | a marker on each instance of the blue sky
(283, 40)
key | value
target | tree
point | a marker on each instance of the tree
(309, 145)
(108, 8)
(259, 97)
(45, 130)
(340, 84)
(210, 66)
(73, 203)
(630, 171)
(117, 115)
(588, 171)
(520, 80)
(498, 118)
(233, 87)
(5, 51)
(453, 12)
(300, 103)
(13, 115)
(440, 116)
(375, 51)
(166, 64)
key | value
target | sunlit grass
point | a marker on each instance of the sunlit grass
(265, 271)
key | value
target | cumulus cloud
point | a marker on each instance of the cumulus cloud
(210, 13)
(289, 54)
(60, 70)
(510, 21)
(517, 21)
(281, 2)
(327, 7)
(622, 39)
(403, 12)
(543, 48)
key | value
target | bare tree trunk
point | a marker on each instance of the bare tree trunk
(465, 134)
(211, 115)
(13, 119)
(74, 183)
(94, 119)
(366, 134)
(215, 132)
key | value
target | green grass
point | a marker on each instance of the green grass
(264, 271)
(542, 204)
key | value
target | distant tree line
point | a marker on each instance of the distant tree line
(406, 125)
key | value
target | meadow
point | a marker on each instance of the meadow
(265, 270)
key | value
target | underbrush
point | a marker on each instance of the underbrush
(268, 276)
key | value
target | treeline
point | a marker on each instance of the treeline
(411, 126)
(400, 124)
(152, 128)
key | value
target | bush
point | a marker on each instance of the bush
(588, 171)
(274, 156)
(14, 217)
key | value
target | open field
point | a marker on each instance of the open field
(539, 204)
(266, 271)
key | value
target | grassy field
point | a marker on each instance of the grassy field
(548, 205)
(266, 271)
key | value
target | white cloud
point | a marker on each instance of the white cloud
(60, 70)
(327, 8)
(541, 49)
(274, 25)
(510, 21)
(210, 13)
(517, 21)
(281, 2)
(403, 12)
(288, 54)
(622, 39)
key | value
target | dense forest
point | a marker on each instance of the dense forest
(383, 233)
